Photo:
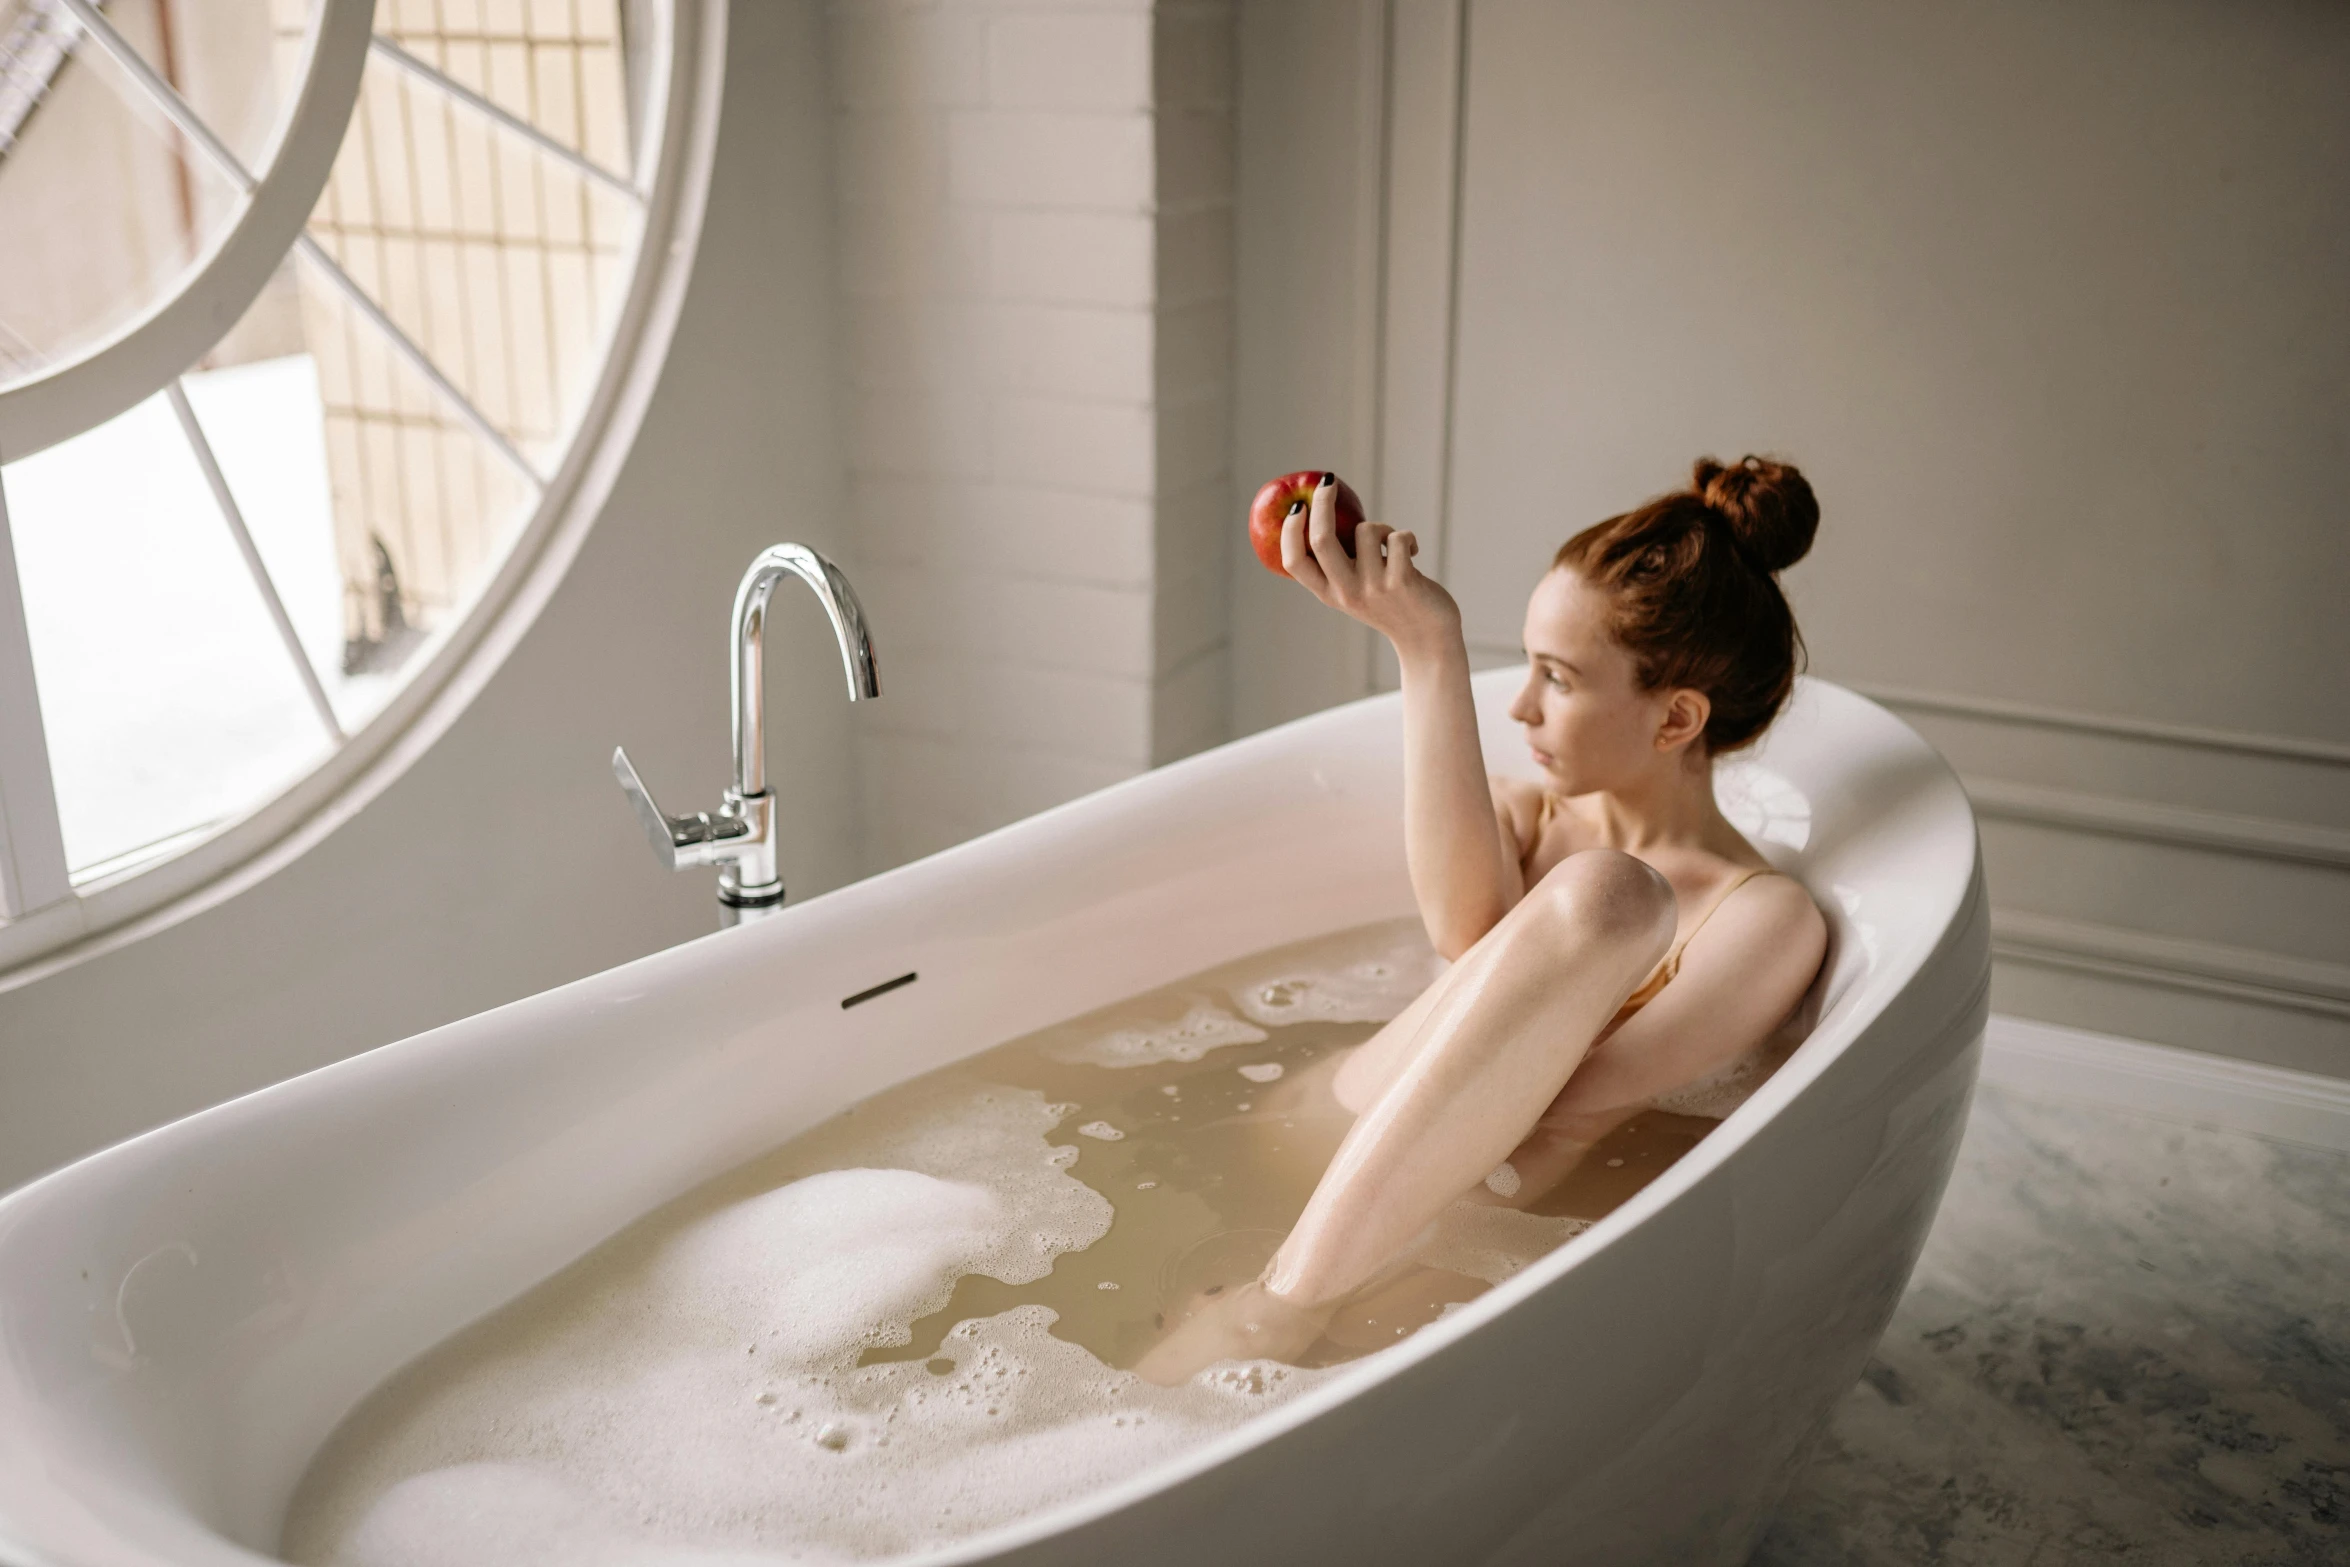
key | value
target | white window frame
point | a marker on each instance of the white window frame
(46, 921)
(133, 364)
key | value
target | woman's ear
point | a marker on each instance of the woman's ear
(1686, 712)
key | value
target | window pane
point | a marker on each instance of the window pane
(267, 429)
(230, 59)
(104, 206)
(502, 263)
(173, 705)
(424, 509)
(169, 701)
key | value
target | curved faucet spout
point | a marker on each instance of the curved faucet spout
(739, 837)
(832, 590)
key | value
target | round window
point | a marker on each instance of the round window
(308, 310)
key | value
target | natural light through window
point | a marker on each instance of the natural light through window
(229, 577)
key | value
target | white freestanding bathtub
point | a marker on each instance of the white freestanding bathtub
(185, 1317)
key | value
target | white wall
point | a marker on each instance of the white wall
(1309, 260)
(2046, 298)
(503, 861)
(1035, 272)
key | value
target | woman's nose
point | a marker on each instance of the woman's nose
(1523, 707)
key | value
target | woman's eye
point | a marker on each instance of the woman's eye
(1557, 682)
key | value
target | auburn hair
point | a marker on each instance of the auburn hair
(1692, 580)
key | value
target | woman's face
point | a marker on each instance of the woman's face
(1587, 721)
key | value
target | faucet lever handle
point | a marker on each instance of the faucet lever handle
(669, 835)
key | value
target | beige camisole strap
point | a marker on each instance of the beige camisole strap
(1670, 964)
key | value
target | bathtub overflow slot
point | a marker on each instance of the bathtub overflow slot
(882, 989)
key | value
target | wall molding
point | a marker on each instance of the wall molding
(2180, 826)
(2263, 982)
(2292, 748)
(2175, 962)
(2042, 1061)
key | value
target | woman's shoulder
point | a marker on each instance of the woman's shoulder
(1776, 889)
(1769, 905)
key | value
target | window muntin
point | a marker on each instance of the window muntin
(168, 701)
(104, 213)
(382, 426)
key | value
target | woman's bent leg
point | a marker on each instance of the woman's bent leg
(1447, 1091)
(1497, 1039)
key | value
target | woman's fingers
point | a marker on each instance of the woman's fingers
(1322, 536)
(1373, 581)
(1401, 547)
(1297, 559)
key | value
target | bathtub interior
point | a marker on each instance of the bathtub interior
(184, 1318)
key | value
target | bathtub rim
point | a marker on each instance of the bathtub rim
(1946, 912)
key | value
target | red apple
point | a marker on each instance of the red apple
(1267, 511)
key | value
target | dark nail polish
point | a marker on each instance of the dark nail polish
(1328, 478)
(1295, 507)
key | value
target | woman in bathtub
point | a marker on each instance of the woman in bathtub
(1613, 937)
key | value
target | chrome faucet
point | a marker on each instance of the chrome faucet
(739, 837)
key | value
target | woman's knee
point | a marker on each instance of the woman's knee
(1610, 895)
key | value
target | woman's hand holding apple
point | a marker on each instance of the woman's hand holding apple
(1376, 583)
(1451, 831)
(1273, 502)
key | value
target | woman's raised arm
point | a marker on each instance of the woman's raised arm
(1464, 862)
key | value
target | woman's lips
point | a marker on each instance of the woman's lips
(1542, 758)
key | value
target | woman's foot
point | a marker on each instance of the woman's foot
(1246, 1322)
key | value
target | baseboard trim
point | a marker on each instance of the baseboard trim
(2045, 1061)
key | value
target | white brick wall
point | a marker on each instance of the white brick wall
(1072, 258)
(1035, 217)
(1194, 90)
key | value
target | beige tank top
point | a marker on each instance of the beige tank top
(1670, 965)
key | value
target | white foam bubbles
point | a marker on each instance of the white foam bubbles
(1366, 975)
(518, 1515)
(811, 1271)
(1336, 981)
(1204, 1024)
(691, 1394)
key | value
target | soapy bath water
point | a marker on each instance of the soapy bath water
(910, 1323)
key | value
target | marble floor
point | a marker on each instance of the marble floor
(2127, 1341)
